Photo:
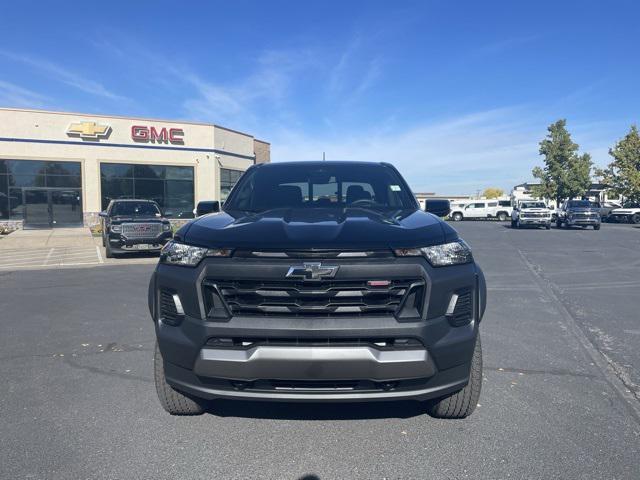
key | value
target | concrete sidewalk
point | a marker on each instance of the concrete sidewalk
(48, 238)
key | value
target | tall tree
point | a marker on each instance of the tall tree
(565, 174)
(623, 173)
(492, 192)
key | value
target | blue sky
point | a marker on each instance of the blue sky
(456, 94)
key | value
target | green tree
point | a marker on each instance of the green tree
(623, 173)
(565, 174)
(492, 192)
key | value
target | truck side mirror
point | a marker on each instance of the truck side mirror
(207, 206)
(439, 208)
(103, 214)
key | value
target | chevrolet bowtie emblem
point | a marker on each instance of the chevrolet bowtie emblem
(88, 130)
(312, 271)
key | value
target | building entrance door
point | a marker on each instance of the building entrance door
(52, 207)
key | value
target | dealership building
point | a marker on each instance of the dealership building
(62, 169)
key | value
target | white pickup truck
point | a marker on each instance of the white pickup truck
(630, 212)
(476, 209)
(531, 212)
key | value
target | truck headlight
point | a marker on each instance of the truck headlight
(166, 227)
(176, 253)
(453, 253)
(116, 228)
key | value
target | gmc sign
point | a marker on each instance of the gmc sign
(143, 134)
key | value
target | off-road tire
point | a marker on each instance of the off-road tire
(462, 403)
(107, 251)
(596, 227)
(502, 216)
(635, 218)
(173, 401)
(457, 217)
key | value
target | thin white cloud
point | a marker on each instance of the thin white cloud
(452, 156)
(63, 75)
(12, 95)
(354, 72)
(269, 84)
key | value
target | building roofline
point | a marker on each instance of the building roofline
(123, 117)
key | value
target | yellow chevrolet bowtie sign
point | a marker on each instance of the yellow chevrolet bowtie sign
(89, 130)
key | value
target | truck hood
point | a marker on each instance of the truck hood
(348, 229)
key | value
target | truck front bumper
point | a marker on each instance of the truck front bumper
(535, 221)
(298, 358)
(122, 244)
(582, 222)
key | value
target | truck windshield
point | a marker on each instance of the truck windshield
(326, 185)
(135, 209)
(533, 205)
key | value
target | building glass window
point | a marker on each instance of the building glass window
(228, 178)
(170, 187)
(16, 175)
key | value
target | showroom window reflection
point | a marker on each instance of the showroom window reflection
(228, 178)
(19, 175)
(171, 187)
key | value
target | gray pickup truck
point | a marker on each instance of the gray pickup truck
(580, 213)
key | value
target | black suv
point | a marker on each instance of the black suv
(319, 281)
(134, 226)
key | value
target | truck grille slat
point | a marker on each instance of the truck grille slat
(141, 230)
(168, 310)
(331, 297)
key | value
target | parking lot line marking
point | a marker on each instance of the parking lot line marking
(77, 263)
(37, 266)
(99, 254)
(85, 253)
(605, 364)
(46, 260)
(22, 255)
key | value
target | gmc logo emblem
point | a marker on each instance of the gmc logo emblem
(142, 134)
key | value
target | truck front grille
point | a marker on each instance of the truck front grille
(141, 230)
(323, 298)
(534, 215)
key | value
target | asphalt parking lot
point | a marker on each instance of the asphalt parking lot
(561, 394)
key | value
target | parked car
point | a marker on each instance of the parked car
(478, 209)
(581, 213)
(534, 213)
(133, 226)
(318, 281)
(629, 213)
(606, 208)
